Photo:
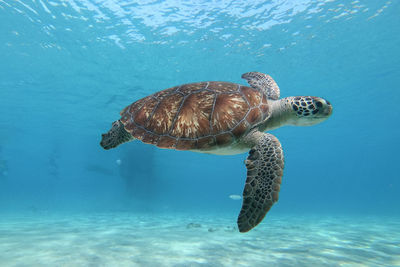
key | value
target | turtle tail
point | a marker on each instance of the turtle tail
(116, 136)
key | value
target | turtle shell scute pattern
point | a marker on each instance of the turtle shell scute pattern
(196, 116)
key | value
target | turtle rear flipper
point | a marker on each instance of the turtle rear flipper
(116, 136)
(264, 175)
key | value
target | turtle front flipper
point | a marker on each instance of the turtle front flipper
(115, 136)
(263, 82)
(264, 175)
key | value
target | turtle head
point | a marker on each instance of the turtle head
(116, 136)
(309, 110)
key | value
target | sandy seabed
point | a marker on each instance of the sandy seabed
(127, 239)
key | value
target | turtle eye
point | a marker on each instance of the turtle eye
(318, 103)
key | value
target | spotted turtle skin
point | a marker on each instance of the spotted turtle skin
(196, 116)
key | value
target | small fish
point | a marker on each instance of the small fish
(235, 197)
(118, 161)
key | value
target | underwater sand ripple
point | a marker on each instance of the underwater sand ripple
(123, 239)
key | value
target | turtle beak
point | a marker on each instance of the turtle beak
(328, 109)
(106, 141)
(324, 106)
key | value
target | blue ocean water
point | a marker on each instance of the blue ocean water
(68, 67)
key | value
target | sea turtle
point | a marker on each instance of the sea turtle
(223, 118)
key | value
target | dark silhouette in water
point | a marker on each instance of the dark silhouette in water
(3, 168)
(3, 165)
(136, 169)
(111, 100)
(53, 163)
(99, 169)
(118, 99)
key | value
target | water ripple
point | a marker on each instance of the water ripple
(163, 22)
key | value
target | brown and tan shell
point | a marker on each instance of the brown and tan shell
(196, 116)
